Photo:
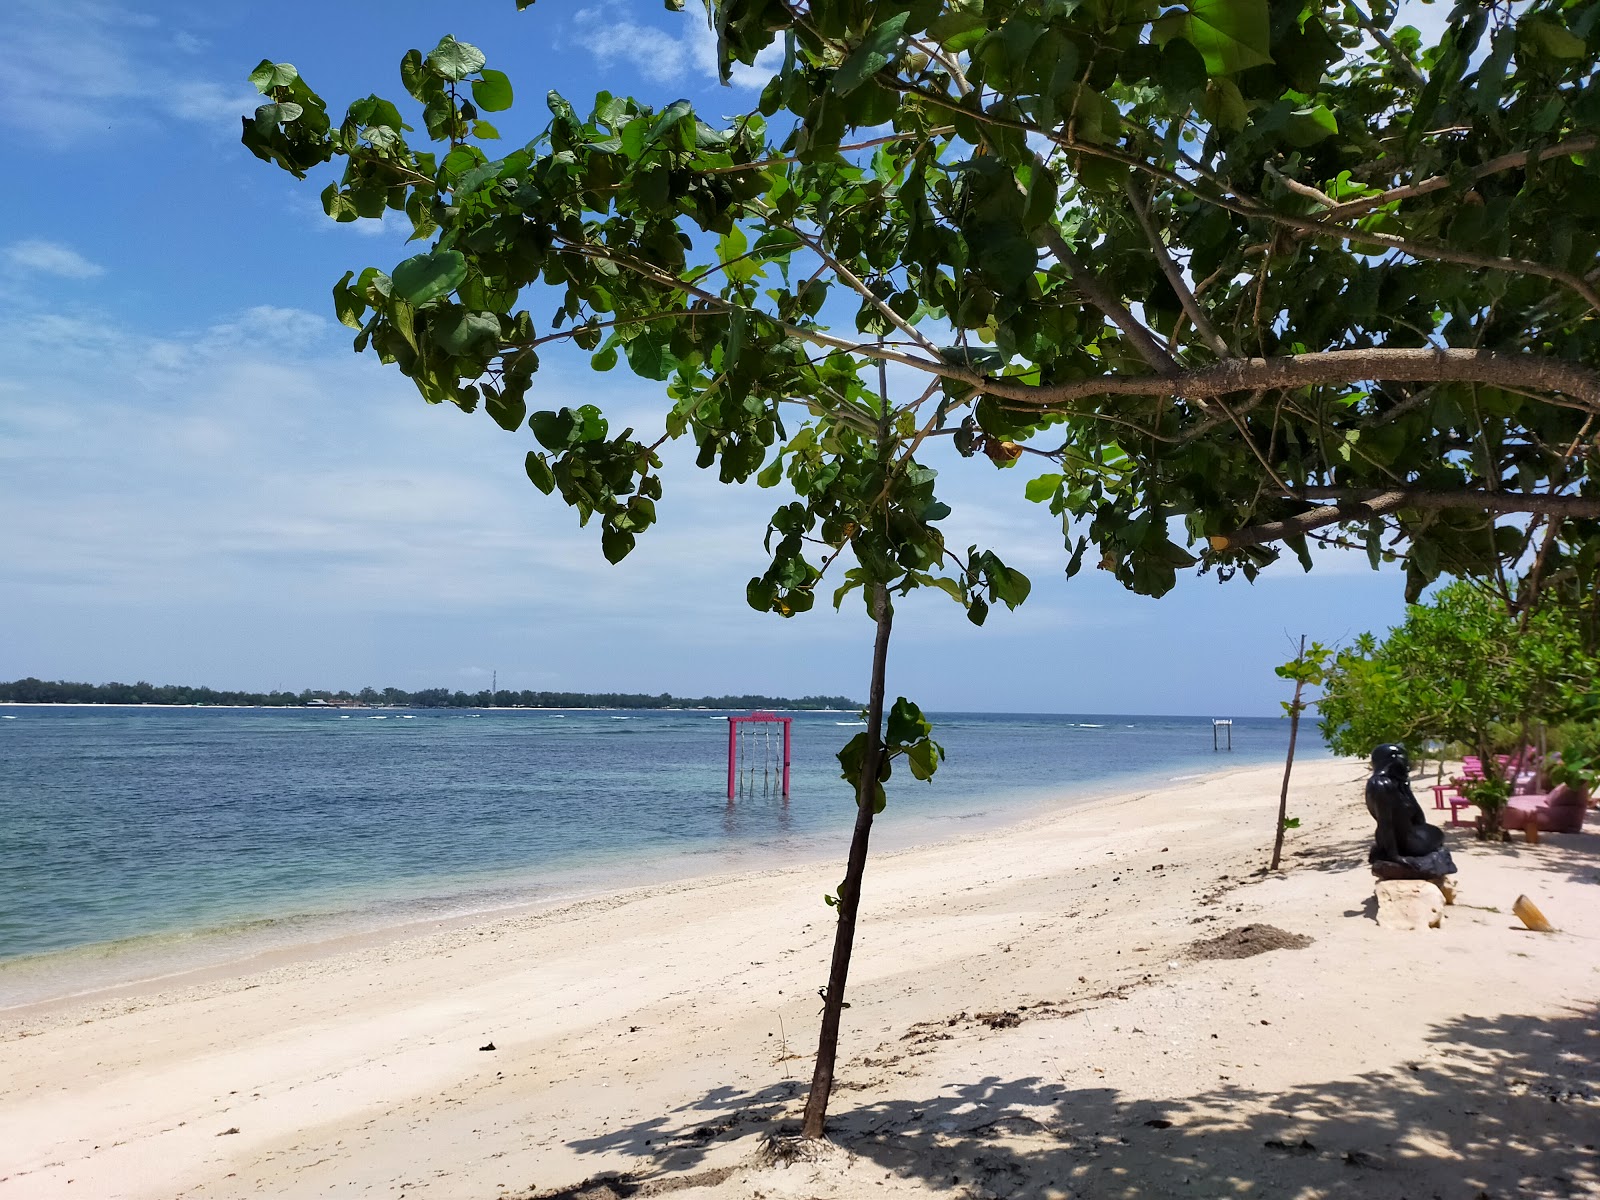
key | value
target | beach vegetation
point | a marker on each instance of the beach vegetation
(1306, 669)
(1233, 276)
(1463, 668)
(39, 691)
(1576, 762)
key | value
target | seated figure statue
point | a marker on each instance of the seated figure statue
(1405, 845)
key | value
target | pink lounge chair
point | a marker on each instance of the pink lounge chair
(1560, 810)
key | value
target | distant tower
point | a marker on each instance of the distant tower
(494, 686)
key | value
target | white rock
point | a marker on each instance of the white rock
(1409, 904)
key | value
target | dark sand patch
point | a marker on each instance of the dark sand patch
(1247, 941)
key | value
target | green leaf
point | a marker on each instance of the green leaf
(539, 473)
(491, 91)
(1542, 32)
(477, 177)
(906, 724)
(507, 410)
(418, 81)
(348, 302)
(604, 359)
(269, 75)
(1308, 126)
(462, 331)
(1043, 488)
(1183, 67)
(871, 56)
(427, 277)
(455, 60)
(1231, 35)
(923, 758)
(615, 544)
(772, 474)
(1225, 105)
(554, 429)
(850, 757)
(270, 116)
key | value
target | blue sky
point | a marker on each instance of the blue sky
(201, 483)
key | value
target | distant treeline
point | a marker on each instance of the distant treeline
(38, 691)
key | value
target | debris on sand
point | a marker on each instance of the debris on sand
(1247, 941)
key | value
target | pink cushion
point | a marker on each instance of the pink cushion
(1559, 811)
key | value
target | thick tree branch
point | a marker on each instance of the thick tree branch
(1360, 504)
(1329, 368)
(1332, 367)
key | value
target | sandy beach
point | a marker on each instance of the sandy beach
(1045, 1010)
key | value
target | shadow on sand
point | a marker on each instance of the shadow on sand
(1495, 1108)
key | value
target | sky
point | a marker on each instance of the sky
(201, 483)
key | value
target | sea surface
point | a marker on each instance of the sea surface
(137, 842)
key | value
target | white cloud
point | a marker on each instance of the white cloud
(51, 258)
(661, 56)
(75, 69)
(207, 103)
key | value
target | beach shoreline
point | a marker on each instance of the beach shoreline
(175, 958)
(1030, 1017)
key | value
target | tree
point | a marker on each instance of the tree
(1243, 272)
(1458, 669)
(1304, 669)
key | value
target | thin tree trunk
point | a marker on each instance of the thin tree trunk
(850, 891)
(1294, 730)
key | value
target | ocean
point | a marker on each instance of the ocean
(142, 841)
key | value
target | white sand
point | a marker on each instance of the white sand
(644, 1033)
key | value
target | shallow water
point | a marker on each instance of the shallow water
(133, 840)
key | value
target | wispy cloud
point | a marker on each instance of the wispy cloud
(77, 69)
(258, 453)
(686, 56)
(51, 258)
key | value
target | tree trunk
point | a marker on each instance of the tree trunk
(1294, 730)
(850, 891)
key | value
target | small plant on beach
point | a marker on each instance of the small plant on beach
(1490, 795)
(1234, 273)
(1306, 669)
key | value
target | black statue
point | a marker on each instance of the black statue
(1405, 845)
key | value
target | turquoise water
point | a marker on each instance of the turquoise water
(127, 831)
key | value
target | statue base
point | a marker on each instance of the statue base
(1428, 866)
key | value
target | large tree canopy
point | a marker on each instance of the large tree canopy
(1267, 267)
(1237, 271)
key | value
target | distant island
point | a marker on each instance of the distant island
(38, 691)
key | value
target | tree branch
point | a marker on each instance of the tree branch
(1505, 162)
(1409, 68)
(1360, 504)
(861, 289)
(1331, 367)
(1169, 268)
(1106, 301)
